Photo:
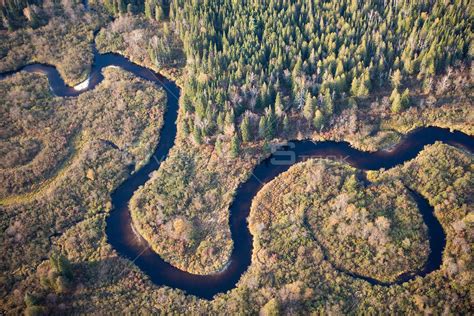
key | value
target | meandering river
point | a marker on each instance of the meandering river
(119, 229)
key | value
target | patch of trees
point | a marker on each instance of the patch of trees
(59, 276)
(67, 31)
(56, 279)
(374, 231)
(144, 41)
(312, 55)
(157, 10)
(120, 7)
(19, 13)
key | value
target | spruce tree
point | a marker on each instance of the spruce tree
(318, 120)
(279, 110)
(308, 110)
(235, 146)
(328, 103)
(197, 135)
(245, 129)
(405, 99)
(396, 79)
(397, 106)
(262, 126)
(270, 124)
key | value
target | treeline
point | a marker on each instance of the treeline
(252, 60)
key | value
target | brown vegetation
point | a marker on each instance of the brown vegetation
(375, 231)
(72, 207)
(64, 41)
(183, 210)
(123, 110)
(145, 42)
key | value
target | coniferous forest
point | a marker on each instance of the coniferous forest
(133, 130)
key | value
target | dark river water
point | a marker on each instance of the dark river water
(119, 230)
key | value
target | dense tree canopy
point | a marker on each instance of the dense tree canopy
(245, 53)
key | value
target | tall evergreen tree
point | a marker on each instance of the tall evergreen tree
(245, 129)
(279, 109)
(262, 126)
(396, 79)
(318, 120)
(308, 110)
(235, 146)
